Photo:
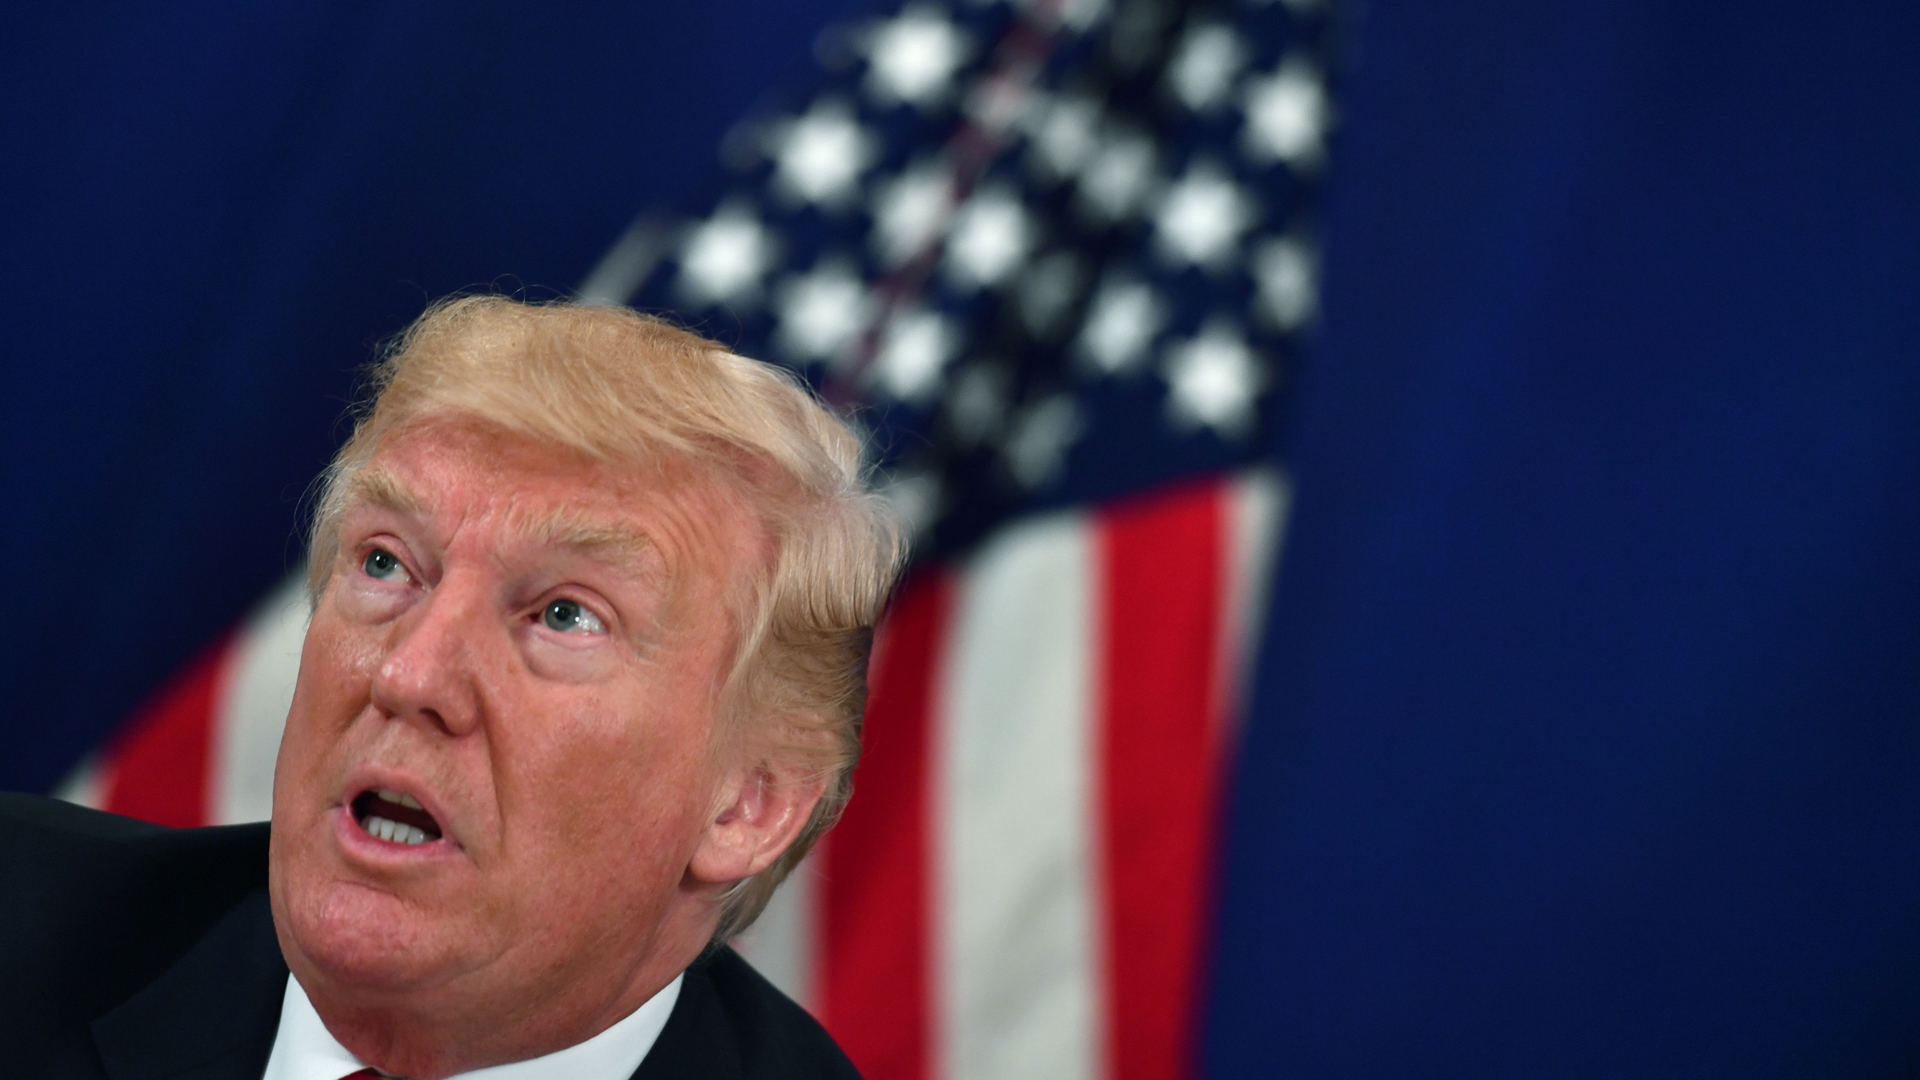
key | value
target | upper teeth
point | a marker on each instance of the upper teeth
(395, 797)
(395, 831)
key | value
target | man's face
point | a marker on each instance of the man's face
(526, 645)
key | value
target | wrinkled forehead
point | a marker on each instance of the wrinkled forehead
(661, 517)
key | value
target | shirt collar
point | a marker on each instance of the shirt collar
(305, 1050)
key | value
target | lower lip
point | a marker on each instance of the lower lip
(359, 842)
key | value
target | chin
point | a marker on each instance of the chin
(353, 935)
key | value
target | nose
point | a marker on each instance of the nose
(430, 673)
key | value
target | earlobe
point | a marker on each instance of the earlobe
(768, 809)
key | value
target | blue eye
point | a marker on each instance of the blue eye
(382, 565)
(568, 617)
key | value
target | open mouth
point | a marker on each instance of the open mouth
(394, 817)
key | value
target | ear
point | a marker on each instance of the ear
(762, 810)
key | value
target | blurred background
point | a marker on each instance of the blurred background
(1415, 503)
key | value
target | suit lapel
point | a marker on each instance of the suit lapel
(212, 1015)
(698, 1040)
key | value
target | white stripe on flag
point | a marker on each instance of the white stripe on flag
(780, 944)
(1017, 973)
(1257, 504)
(250, 709)
(86, 785)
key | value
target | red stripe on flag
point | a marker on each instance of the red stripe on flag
(876, 993)
(157, 765)
(1162, 560)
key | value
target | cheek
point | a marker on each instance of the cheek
(647, 764)
(337, 662)
(336, 666)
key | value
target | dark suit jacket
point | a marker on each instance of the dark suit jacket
(133, 952)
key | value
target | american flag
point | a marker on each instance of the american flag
(1055, 259)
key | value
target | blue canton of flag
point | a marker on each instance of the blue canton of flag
(1053, 251)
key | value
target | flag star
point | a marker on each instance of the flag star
(1138, 33)
(1213, 380)
(1079, 16)
(1121, 323)
(991, 236)
(914, 350)
(998, 101)
(1285, 271)
(1065, 134)
(1119, 178)
(911, 211)
(1287, 115)
(1047, 291)
(913, 56)
(1201, 218)
(818, 158)
(916, 495)
(1205, 65)
(1036, 446)
(976, 406)
(821, 312)
(722, 259)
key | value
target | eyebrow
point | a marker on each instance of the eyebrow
(376, 485)
(603, 541)
(619, 545)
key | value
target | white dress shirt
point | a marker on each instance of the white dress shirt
(304, 1049)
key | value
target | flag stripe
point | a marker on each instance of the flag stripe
(1017, 920)
(250, 706)
(158, 770)
(1257, 505)
(1161, 560)
(783, 942)
(876, 991)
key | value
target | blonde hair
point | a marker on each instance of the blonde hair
(620, 386)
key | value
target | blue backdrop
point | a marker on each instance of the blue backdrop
(1588, 734)
(1585, 741)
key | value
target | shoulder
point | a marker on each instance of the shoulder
(94, 906)
(68, 864)
(781, 1038)
(730, 1021)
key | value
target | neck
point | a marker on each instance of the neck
(472, 1022)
